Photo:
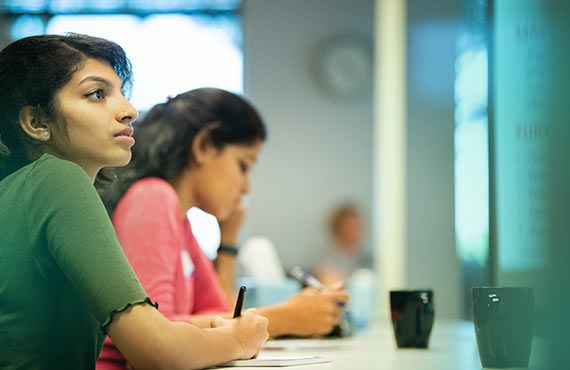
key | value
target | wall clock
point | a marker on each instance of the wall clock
(343, 66)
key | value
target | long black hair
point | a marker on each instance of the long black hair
(165, 134)
(32, 71)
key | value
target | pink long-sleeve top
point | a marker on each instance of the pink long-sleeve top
(158, 242)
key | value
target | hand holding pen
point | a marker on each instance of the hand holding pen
(302, 276)
(250, 329)
(341, 298)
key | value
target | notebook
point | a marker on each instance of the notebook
(276, 361)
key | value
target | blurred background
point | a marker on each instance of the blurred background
(445, 122)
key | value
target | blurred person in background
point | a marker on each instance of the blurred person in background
(346, 250)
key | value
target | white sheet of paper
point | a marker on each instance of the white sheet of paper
(276, 361)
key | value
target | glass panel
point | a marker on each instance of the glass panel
(523, 103)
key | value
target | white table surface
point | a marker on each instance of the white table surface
(452, 346)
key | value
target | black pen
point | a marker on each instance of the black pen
(239, 302)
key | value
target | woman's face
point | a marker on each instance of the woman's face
(97, 119)
(350, 232)
(223, 177)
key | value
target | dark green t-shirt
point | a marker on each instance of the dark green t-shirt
(62, 270)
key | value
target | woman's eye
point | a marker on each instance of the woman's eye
(96, 95)
(243, 167)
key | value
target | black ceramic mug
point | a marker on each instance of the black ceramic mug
(503, 318)
(412, 314)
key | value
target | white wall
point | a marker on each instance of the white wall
(319, 150)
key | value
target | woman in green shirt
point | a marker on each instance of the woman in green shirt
(64, 280)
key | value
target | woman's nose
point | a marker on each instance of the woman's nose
(128, 114)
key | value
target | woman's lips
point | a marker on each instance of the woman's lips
(129, 131)
(126, 136)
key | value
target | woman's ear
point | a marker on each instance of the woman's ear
(33, 125)
(202, 147)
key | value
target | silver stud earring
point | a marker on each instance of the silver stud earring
(45, 133)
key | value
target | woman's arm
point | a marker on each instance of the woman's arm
(226, 270)
(204, 320)
(226, 263)
(309, 312)
(150, 341)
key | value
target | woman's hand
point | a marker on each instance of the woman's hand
(231, 226)
(309, 312)
(148, 340)
(250, 331)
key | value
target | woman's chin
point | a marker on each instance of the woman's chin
(221, 215)
(122, 161)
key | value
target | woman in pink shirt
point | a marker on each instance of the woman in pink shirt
(197, 150)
